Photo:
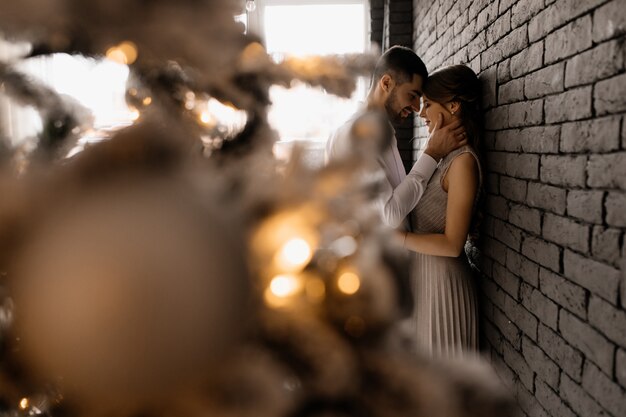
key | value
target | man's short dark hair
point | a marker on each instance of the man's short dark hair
(401, 62)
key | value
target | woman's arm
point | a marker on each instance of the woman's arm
(462, 179)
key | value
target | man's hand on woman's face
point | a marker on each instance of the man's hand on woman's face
(444, 140)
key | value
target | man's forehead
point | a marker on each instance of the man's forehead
(416, 84)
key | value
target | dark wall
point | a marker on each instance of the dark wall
(553, 238)
(392, 24)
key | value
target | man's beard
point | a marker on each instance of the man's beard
(390, 103)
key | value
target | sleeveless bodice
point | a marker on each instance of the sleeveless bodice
(429, 216)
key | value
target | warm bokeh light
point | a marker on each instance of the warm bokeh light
(24, 403)
(281, 290)
(286, 241)
(190, 100)
(214, 114)
(294, 254)
(273, 301)
(130, 51)
(207, 118)
(115, 55)
(252, 53)
(124, 53)
(134, 114)
(284, 285)
(348, 282)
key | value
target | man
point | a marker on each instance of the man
(396, 89)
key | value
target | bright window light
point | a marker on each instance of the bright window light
(315, 29)
(304, 114)
(99, 85)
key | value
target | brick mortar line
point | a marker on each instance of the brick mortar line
(588, 12)
(563, 24)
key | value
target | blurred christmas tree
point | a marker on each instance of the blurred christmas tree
(177, 268)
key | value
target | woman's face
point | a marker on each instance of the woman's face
(430, 113)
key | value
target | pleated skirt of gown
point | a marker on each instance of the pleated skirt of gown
(445, 320)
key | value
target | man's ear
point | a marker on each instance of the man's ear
(386, 83)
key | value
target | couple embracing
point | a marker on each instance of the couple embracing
(434, 206)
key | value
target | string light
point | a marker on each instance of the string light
(284, 285)
(190, 100)
(125, 53)
(349, 283)
(285, 242)
(281, 289)
(207, 118)
(294, 254)
(134, 114)
(24, 403)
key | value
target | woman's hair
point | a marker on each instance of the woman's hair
(459, 83)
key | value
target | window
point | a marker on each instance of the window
(98, 85)
(310, 27)
(296, 27)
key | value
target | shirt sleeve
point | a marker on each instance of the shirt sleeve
(338, 145)
(397, 203)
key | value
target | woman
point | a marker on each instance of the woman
(444, 321)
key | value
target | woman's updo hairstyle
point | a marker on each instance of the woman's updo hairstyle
(459, 83)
